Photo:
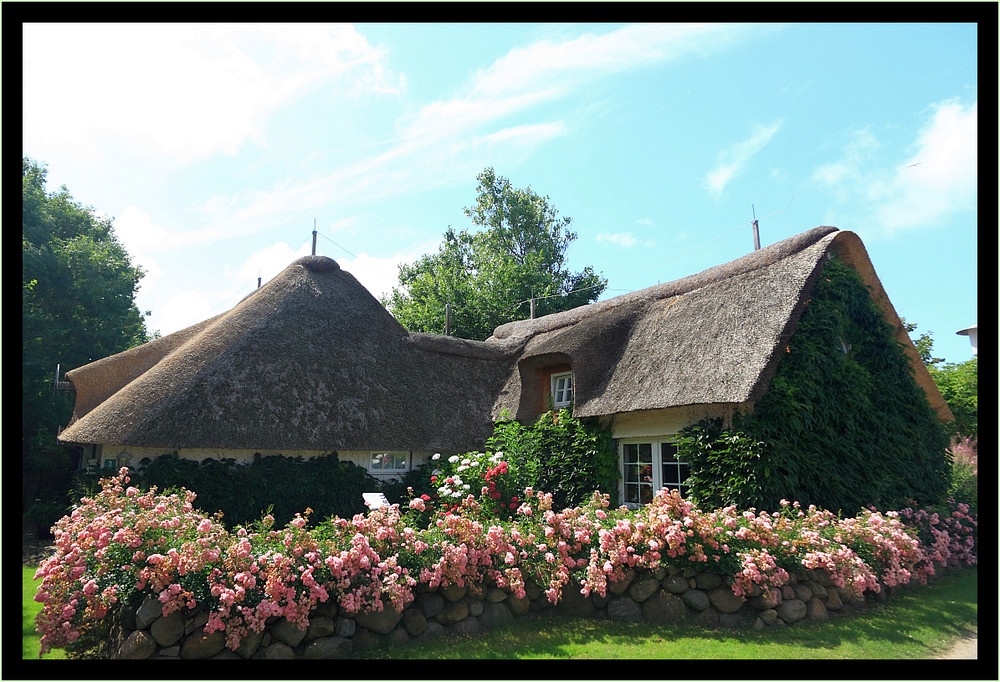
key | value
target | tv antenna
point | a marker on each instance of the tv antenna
(756, 231)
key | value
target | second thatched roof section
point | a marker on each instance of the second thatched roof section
(712, 338)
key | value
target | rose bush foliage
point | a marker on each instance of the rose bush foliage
(124, 543)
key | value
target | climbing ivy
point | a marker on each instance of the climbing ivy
(844, 424)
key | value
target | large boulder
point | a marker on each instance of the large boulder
(696, 599)
(381, 622)
(623, 608)
(725, 600)
(643, 589)
(138, 645)
(664, 607)
(202, 645)
(677, 584)
(495, 615)
(148, 611)
(792, 610)
(168, 631)
(288, 632)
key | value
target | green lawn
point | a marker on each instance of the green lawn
(29, 609)
(920, 623)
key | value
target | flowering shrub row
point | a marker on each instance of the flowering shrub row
(124, 541)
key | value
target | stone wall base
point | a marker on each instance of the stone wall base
(666, 596)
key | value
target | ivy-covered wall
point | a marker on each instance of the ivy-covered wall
(844, 424)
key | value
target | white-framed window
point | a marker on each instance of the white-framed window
(562, 389)
(390, 462)
(649, 465)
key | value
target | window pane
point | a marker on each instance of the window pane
(670, 474)
(668, 452)
(632, 493)
(646, 473)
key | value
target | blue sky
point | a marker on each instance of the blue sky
(216, 147)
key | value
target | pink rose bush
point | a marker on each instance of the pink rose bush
(124, 543)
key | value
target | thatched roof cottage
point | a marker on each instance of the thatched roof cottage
(312, 363)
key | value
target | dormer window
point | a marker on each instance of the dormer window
(562, 389)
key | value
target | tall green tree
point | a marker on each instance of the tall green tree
(957, 381)
(78, 304)
(490, 275)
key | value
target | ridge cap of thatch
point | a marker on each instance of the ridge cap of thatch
(755, 260)
(466, 348)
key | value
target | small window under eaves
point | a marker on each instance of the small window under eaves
(562, 389)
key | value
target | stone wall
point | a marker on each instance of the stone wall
(668, 596)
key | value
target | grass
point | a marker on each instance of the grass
(30, 639)
(919, 623)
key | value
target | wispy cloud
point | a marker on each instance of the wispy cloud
(624, 239)
(183, 92)
(938, 176)
(732, 161)
(448, 141)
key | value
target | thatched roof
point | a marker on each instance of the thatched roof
(311, 361)
(712, 338)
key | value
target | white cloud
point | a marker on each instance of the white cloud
(180, 91)
(450, 140)
(624, 239)
(941, 175)
(266, 263)
(848, 169)
(733, 160)
(937, 177)
(552, 67)
(182, 310)
(138, 233)
(378, 275)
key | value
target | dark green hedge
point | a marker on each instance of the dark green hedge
(843, 426)
(245, 492)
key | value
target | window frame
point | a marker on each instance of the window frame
(404, 454)
(657, 462)
(567, 389)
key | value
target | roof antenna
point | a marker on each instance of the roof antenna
(314, 237)
(258, 278)
(756, 232)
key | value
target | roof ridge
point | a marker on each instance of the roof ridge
(755, 260)
(466, 348)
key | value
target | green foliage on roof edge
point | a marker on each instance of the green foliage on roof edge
(844, 424)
